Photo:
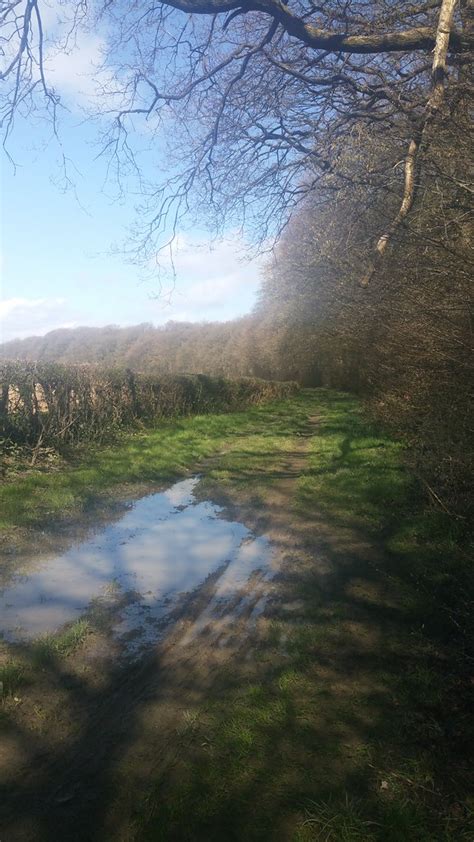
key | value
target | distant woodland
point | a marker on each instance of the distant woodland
(178, 347)
(348, 146)
(404, 342)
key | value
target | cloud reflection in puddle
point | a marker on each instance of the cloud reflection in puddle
(165, 545)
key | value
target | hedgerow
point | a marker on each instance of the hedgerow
(52, 405)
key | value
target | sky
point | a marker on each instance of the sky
(57, 262)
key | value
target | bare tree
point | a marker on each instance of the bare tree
(406, 341)
(258, 98)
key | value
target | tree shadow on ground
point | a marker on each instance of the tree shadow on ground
(339, 714)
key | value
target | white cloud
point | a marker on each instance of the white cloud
(212, 282)
(205, 260)
(73, 72)
(21, 317)
(214, 292)
(74, 54)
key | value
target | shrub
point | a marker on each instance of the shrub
(47, 404)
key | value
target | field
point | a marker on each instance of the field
(340, 713)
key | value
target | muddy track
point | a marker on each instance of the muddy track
(110, 730)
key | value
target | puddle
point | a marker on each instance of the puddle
(165, 545)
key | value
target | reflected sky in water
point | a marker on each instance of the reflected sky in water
(166, 544)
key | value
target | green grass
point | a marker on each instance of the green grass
(22, 670)
(353, 724)
(357, 477)
(154, 456)
(27, 666)
(350, 721)
(12, 677)
(398, 820)
(45, 650)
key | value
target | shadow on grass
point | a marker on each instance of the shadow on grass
(344, 716)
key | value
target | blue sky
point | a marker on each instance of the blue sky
(56, 265)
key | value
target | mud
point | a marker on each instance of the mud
(92, 732)
(164, 546)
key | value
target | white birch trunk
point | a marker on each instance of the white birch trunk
(435, 101)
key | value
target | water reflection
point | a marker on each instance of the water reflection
(166, 544)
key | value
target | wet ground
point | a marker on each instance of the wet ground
(178, 592)
(281, 687)
(139, 568)
(171, 589)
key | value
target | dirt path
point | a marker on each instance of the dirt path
(89, 738)
(325, 692)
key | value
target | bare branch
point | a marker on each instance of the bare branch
(416, 38)
(433, 105)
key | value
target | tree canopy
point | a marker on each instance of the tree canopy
(258, 100)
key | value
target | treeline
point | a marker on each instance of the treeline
(225, 349)
(404, 342)
(44, 404)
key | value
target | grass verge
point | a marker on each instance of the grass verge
(156, 455)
